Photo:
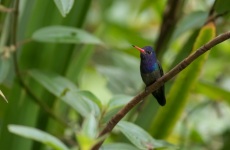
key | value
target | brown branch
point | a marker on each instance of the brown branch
(178, 68)
(171, 15)
(212, 9)
(7, 50)
(214, 17)
(17, 70)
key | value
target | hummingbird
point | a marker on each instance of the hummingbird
(151, 70)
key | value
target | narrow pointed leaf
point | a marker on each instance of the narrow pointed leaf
(83, 102)
(185, 49)
(64, 34)
(117, 146)
(118, 101)
(208, 88)
(64, 6)
(37, 135)
(191, 21)
(139, 137)
(89, 126)
(88, 134)
(167, 116)
(54, 83)
(3, 96)
(115, 104)
(91, 96)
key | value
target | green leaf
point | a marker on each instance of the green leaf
(89, 126)
(115, 104)
(54, 83)
(208, 88)
(83, 102)
(79, 63)
(85, 143)
(37, 135)
(64, 34)
(191, 21)
(185, 50)
(88, 134)
(92, 81)
(222, 6)
(196, 136)
(64, 6)
(139, 137)
(91, 96)
(35, 14)
(5, 65)
(118, 101)
(117, 146)
(167, 116)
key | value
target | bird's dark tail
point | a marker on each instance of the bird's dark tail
(160, 96)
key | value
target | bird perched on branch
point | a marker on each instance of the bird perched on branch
(151, 70)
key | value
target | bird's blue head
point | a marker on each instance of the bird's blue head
(148, 59)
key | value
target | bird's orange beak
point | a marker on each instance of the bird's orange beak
(140, 49)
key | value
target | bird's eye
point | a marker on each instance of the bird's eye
(149, 52)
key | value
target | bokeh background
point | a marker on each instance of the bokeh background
(79, 68)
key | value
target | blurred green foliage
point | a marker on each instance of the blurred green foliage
(76, 58)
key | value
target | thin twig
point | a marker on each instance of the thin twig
(17, 70)
(212, 9)
(7, 50)
(178, 68)
(14, 36)
(5, 9)
(214, 17)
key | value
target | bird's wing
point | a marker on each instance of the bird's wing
(161, 70)
(160, 97)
